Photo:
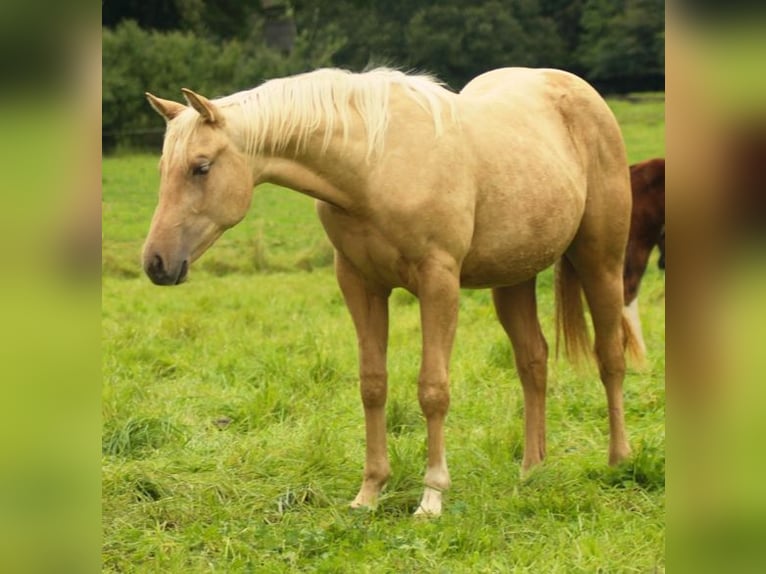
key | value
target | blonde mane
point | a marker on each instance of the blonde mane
(290, 109)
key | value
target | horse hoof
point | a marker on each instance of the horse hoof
(360, 503)
(430, 504)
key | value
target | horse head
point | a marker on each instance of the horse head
(205, 187)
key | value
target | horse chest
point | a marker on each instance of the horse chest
(361, 243)
(385, 252)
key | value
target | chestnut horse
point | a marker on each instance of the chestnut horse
(647, 230)
(430, 191)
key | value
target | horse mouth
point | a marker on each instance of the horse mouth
(183, 273)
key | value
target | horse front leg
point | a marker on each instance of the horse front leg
(438, 291)
(369, 311)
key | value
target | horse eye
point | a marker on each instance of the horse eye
(201, 169)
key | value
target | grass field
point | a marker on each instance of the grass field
(233, 432)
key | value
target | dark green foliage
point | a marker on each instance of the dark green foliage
(459, 42)
(218, 48)
(622, 40)
(136, 61)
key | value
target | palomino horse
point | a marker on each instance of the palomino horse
(428, 190)
(647, 230)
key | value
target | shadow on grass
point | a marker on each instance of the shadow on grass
(645, 469)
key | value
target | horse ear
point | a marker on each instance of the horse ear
(165, 108)
(205, 107)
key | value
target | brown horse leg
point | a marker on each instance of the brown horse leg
(516, 309)
(369, 311)
(603, 291)
(636, 259)
(438, 291)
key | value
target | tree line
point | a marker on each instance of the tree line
(222, 46)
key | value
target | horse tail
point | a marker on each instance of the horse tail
(570, 321)
(633, 341)
(570, 314)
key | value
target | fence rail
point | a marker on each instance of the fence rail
(138, 138)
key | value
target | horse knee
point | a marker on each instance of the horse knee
(373, 389)
(433, 395)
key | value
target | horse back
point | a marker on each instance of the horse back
(545, 124)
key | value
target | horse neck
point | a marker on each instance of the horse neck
(329, 157)
(333, 169)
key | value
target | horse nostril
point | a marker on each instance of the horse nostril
(160, 274)
(155, 269)
(155, 266)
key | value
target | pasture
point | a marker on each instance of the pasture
(233, 435)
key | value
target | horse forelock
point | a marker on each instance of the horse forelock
(178, 134)
(291, 109)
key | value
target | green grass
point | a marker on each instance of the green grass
(233, 432)
(642, 119)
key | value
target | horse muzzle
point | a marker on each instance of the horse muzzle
(160, 274)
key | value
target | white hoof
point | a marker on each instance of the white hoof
(430, 504)
(363, 503)
(368, 495)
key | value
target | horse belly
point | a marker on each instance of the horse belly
(514, 240)
(494, 267)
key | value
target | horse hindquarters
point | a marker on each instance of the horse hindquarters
(596, 257)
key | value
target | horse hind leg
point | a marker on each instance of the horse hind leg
(601, 279)
(516, 309)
